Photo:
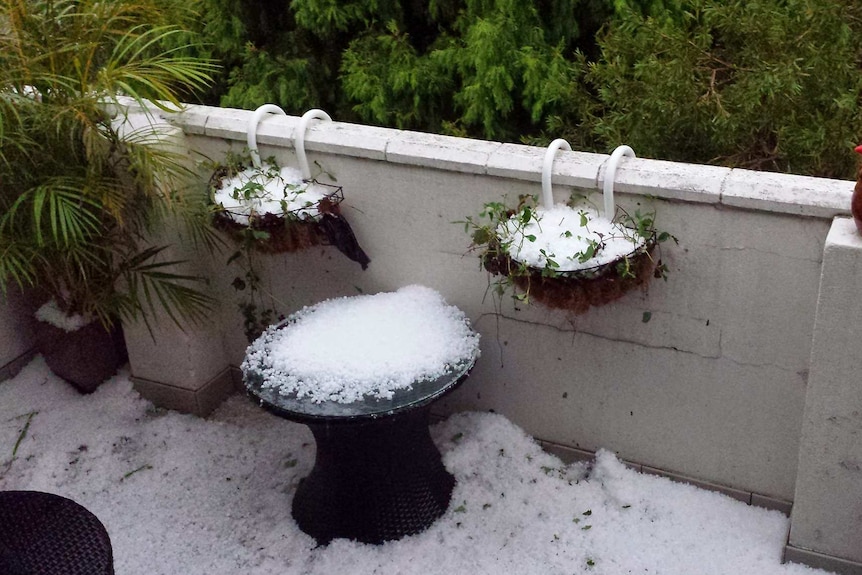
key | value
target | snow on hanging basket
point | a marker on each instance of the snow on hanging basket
(568, 256)
(280, 209)
(270, 207)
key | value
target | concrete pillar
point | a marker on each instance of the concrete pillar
(184, 369)
(826, 522)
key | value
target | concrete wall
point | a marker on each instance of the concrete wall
(179, 367)
(713, 387)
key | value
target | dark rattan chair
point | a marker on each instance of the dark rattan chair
(45, 534)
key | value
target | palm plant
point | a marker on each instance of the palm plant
(79, 197)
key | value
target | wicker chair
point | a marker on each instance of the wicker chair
(45, 534)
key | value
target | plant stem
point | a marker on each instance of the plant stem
(141, 468)
(23, 433)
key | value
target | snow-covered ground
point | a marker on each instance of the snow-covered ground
(181, 495)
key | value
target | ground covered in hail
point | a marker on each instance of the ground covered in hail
(181, 494)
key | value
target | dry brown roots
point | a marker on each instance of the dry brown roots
(576, 292)
(284, 235)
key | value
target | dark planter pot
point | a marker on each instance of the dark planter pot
(85, 357)
(856, 199)
(856, 204)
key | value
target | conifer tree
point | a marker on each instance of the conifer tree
(768, 85)
(772, 84)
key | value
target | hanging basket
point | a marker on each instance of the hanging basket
(276, 233)
(255, 201)
(577, 291)
(597, 274)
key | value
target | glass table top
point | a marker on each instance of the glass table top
(290, 406)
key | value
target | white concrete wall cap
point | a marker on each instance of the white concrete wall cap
(787, 193)
(843, 234)
(230, 124)
(520, 162)
(354, 140)
(668, 180)
(193, 120)
(440, 152)
(760, 191)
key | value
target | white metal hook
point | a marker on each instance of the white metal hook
(300, 139)
(610, 173)
(251, 131)
(547, 167)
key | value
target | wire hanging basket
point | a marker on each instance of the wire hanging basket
(276, 209)
(575, 290)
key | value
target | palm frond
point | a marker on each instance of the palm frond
(77, 197)
(16, 265)
(58, 213)
(141, 71)
(154, 287)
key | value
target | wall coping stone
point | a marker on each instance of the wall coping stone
(720, 186)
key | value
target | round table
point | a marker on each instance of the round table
(377, 474)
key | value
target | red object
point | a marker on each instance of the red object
(856, 200)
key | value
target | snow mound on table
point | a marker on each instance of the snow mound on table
(369, 345)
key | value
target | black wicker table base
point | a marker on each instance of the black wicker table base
(373, 481)
(377, 475)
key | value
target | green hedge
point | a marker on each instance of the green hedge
(763, 84)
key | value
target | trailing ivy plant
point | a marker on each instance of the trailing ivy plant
(256, 303)
(295, 225)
